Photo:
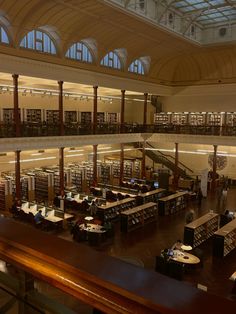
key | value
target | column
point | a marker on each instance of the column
(95, 170)
(16, 105)
(60, 107)
(214, 168)
(145, 109)
(17, 175)
(143, 170)
(95, 108)
(61, 171)
(176, 170)
(122, 111)
(121, 163)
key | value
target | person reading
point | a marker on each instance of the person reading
(38, 218)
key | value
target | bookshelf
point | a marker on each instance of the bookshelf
(52, 116)
(201, 229)
(179, 118)
(85, 117)
(161, 118)
(70, 117)
(113, 117)
(214, 119)
(197, 118)
(224, 239)
(111, 211)
(137, 217)
(173, 203)
(33, 115)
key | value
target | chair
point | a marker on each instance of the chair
(176, 270)
(161, 265)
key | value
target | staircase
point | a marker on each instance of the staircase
(168, 161)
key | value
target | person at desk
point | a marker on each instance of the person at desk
(229, 216)
(177, 245)
(38, 218)
(93, 208)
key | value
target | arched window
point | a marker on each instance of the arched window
(79, 51)
(38, 40)
(111, 60)
(3, 36)
(136, 67)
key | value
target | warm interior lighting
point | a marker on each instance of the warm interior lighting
(33, 159)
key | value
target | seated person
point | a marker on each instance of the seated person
(177, 245)
(38, 218)
(229, 215)
(165, 254)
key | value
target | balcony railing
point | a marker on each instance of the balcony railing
(100, 281)
(28, 129)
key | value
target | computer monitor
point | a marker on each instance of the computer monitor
(170, 252)
(156, 184)
(68, 195)
(132, 181)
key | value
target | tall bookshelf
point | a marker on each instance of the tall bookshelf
(197, 118)
(201, 229)
(8, 115)
(113, 117)
(70, 116)
(33, 115)
(224, 240)
(52, 116)
(85, 117)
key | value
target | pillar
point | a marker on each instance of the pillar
(145, 109)
(61, 171)
(95, 154)
(16, 105)
(95, 108)
(143, 169)
(122, 111)
(176, 170)
(214, 168)
(17, 175)
(60, 107)
(121, 163)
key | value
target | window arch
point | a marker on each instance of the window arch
(38, 40)
(3, 36)
(79, 51)
(111, 60)
(136, 67)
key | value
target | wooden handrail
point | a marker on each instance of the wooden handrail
(101, 281)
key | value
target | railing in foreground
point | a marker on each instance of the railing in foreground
(103, 282)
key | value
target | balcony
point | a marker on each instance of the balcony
(43, 129)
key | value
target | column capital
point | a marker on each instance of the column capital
(95, 87)
(15, 76)
(60, 82)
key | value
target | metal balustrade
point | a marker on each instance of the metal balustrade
(28, 129)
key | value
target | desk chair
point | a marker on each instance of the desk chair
(176, 270)
(162, 265)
